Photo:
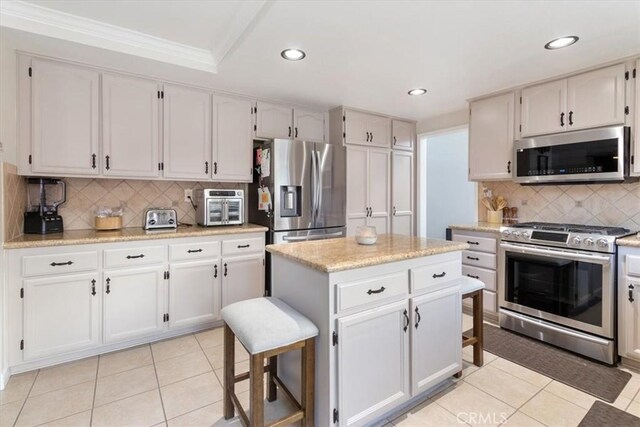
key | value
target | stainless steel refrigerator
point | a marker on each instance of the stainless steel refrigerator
(307, 183)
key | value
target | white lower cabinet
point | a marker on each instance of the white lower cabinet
(134, 303)
(61, 314)
(629, 303)
(194, 292)
(242, 278)
(368, 386)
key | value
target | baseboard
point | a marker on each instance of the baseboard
(630, 363)
(4, 378)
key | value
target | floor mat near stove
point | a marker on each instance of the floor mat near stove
(601, 381)
(602, 414)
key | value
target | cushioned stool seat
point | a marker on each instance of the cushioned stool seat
(473, 288)
(267, 327)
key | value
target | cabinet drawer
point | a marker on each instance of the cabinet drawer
(479, 259)
(488, 277)
(436, 276)
(489, 301)
(134, 256)
(242, 246)
(38, 265)
(633, 265)
(187, 251)
(365, 292)
(482, 244)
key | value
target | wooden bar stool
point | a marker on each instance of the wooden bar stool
(267, 327)
(473, 288)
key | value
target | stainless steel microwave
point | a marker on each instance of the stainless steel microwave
(219, 207)
(594, 155)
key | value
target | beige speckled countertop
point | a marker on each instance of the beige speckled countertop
(478, 226)
(83, 237)
(345, 253)
(633, 241)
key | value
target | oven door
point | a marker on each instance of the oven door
(571, 288)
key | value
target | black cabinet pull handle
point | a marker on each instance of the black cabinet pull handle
(194, 251)
(561, 119)
(367, 136)
(93, 287)
(394, 211)
(509, 166)
(631, 288)
(215, 168)
(406, 319)
(243, 246)
(206, 167)
(93, 161)
(135, 256)
(472, 243)
(419, 318)
(394, 140)
(108, 285)
(371, 136)
(472, 276)
(106, 158)
(58, 264)
(289, 130)
(296, 131)
(438, 276)
(473, 258)
(225, 269)
(215, 271)
(377, 291)
(570, 118)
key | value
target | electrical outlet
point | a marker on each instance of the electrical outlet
(187, 194)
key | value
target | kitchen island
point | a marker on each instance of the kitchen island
(389, 317)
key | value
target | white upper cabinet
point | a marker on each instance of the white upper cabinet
(130, 127)
(544, 108)
(187, 133)
(232, 139)
(367, 129)
(402, 193)
(64, 118)
(380, 131)
(357, 189)
(403, 134)
(587, 100)
(308, 125)
(596, 98)
(636, 163)
(273, 120)
(379, 189)
(491, 131)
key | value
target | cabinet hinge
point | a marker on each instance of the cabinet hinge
(334, 340)
(255, 109)
(21, 344)
(632, 159)
(30, 158)
(520, 100)
(520, 128)
(255, 128)
(344, 118)
(335, 416)
(30, 72)
(626, 75)
(344, 134)
(634, 73)
(626, 110)
(21, 292)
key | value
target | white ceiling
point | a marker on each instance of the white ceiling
(364, 54)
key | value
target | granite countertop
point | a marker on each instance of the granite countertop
(345, 253)
(83, 237)
(633, 241)
(478, 226)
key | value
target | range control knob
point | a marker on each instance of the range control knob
(524, 235)
(576, 241)
(515, 234)
(588, 241)
(602, 243)
(506, 234)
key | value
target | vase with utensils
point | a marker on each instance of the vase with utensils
(494, 207)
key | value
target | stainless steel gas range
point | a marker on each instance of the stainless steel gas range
(558, 285)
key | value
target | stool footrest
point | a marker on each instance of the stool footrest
(466, 341)
(245, 376)
(286, 392)
(288, 420)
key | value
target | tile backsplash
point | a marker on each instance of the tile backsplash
(15, 200)
(599, 204)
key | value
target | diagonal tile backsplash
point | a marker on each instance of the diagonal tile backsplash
(599, 204)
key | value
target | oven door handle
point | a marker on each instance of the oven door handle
(600, 259)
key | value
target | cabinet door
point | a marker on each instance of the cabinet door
(544, 108)
(596, 98)
(373, 362)
(61, 314)
(308, 125)
(134, 303)
(629, 326)
(274, 121)
(64, 118)
(130, 120)
(403, 135)
(356, 128)
(436, 346)
(491, 128)
(357, 185)
(380, 131)
(232, 139)
(194, 292)
(242, 278)
(379, 186)
(402, 193)
(187, 133)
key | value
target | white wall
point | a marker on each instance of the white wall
(444, 121)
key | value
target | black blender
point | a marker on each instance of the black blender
(44, 195)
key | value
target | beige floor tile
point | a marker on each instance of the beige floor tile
(467, 354)
(193, 393)
(175, 347)
(182, 367)
(272, 410)
(83, 419)
(633, 386)
(467, 369)
(474, 406)
(571, 394)
(57, 404)
(521, 420)
(501, 385)
(211, 338)
(18, 387)
(63, 376)
(210, 415)
(9, 412)
(521, 372)
(621, 403)
(429, 414)
(634, 408)
(216, 355)
(467, 322)
(551, 410)
(125, 384)
(140, 410)
(124, 360)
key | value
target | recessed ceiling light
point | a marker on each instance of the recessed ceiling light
(293, 54)
(417, 91)
(561, 42)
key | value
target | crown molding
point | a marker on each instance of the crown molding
(40, 20)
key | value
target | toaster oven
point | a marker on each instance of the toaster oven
(219, 207)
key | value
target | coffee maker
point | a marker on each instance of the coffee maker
(44, 195)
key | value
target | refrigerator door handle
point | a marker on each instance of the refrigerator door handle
(314, 186)
(318, 184)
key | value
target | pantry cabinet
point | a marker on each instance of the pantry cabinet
(636, 146)
(308, 125)
(366, 129)
(64, 119)
(404, 134)
(629, 303)
(187, 133)
(402, 193)
(232, 139)
(273, 120)
(491, 134)
(130, 127)
(242, 277)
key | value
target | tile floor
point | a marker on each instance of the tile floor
(178, 382)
